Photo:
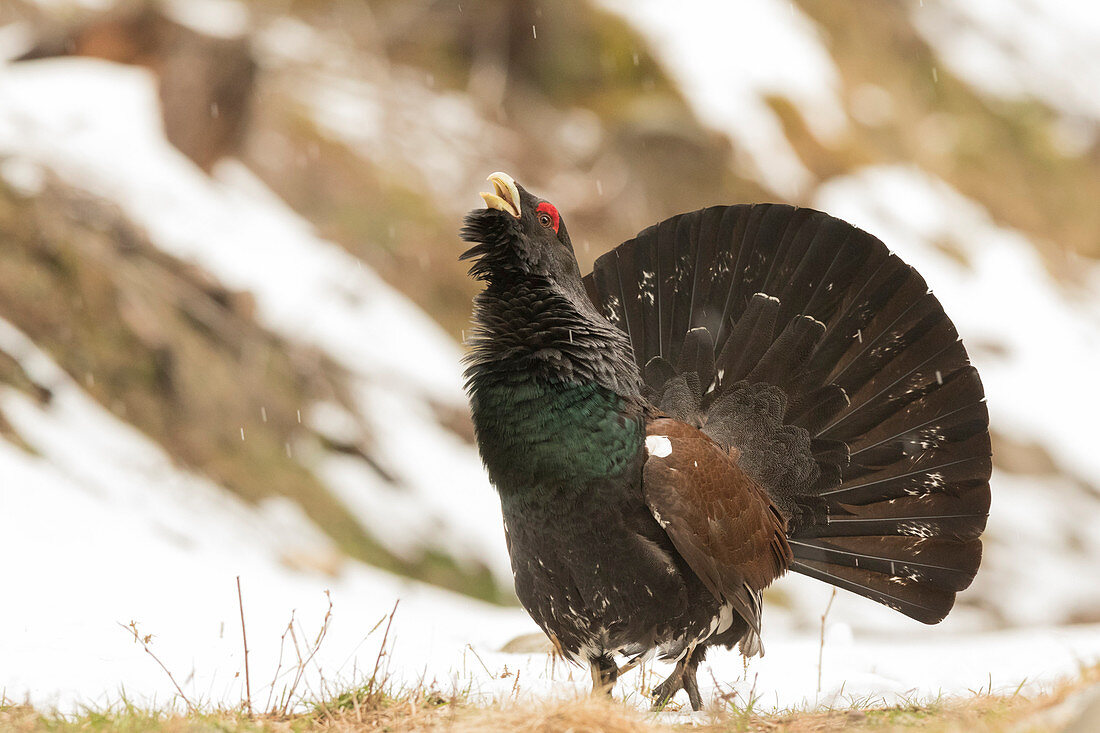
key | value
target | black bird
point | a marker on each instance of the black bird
(736, 392)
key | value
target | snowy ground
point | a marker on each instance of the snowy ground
(133, 539)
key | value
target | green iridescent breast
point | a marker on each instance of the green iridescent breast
(544, 434)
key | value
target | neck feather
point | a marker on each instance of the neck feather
(553, 389)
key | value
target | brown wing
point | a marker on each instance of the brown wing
(719, 519)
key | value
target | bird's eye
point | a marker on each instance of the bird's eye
(548, 216)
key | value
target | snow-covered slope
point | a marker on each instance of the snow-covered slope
(729, 64)
(97, 126)
(109, 530)
(1020, 48)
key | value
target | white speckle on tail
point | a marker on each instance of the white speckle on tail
(658, 445)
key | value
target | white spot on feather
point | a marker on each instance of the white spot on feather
(725, 618)
(658, 446)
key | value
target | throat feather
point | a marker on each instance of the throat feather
(553, 389)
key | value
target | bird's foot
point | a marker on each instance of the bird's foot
(663, 693)
(682, 678)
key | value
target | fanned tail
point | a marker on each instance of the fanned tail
(804, 343)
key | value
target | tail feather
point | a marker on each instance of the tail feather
(916, 426)
(674, 287)
(925, 602)
(935, 474)
(781, 363)
(848, 334)
(697, 355)
(956, 517)
(943, 563)
(824, 359)
(749, 339)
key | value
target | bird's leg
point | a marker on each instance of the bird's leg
(691, 685)
(604, 674)
(682, 678)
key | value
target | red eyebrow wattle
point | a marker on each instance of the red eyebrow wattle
(548, 208)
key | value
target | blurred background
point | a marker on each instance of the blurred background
(231, 311)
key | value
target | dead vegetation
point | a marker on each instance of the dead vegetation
(383, 708)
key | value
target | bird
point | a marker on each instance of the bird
(736, 393)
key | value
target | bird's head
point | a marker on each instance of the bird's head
(518, 234)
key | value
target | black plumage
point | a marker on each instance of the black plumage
(736, 392)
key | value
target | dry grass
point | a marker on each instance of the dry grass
(426, 713)
(378, 706)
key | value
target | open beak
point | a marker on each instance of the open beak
(505, 195)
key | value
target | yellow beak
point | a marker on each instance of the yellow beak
(505, 195)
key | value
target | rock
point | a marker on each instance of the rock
(528, 644)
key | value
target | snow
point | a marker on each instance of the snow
(217, 18)
(96, 125)
(131, 537)
(1020, 48)
(728, 58)
(66, 6)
